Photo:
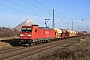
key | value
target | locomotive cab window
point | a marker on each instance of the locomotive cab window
(29, 29)
(26, 29)
(23, 29)
(35, 30)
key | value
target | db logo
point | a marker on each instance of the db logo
(46, 32)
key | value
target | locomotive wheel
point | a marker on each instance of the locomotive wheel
(32, 43)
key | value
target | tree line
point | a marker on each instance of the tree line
(8, 32)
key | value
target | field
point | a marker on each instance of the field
(77, 51)
(4, 45)
(7, 42)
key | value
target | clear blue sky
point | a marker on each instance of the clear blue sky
(13, 12)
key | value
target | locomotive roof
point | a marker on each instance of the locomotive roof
(45, 28)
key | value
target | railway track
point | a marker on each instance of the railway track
(11, 49)
(23, 52)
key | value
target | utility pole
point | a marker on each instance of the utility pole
(53, 24)
(72, 24)
(82, 28)
(78, 28)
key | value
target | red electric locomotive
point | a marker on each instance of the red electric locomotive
(35, 34)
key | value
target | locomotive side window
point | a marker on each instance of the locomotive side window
(35, 30)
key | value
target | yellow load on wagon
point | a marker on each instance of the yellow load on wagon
(57, 32)
(71, 33)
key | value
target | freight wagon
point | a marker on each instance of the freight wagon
(64, 33)
(58, 33)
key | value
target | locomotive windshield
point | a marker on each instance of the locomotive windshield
(23, 29)
(26, 29)
(29, 29)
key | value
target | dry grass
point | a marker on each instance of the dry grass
(8, 38)
(4, 45)
(77, 51)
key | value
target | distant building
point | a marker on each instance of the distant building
(28, 22)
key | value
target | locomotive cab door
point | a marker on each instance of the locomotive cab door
(35, 33)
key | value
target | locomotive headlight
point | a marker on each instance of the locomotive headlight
(21, 35)
(29, 34)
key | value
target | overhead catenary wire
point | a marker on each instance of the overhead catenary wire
(20, 6)
(46, 7)
(43, 5)
(36, 6)
(17, 9)
(16, 4)
(59, 18)
(62, 16)
(23, 7)
(55, 11)
(33, 6)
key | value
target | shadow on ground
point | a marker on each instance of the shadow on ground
(13, 42)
